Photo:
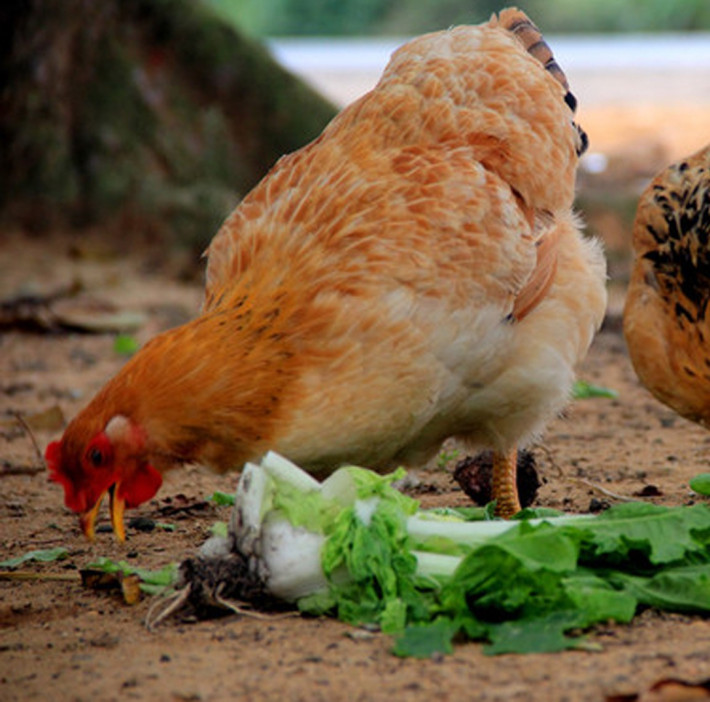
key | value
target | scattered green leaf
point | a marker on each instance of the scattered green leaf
(152, 581)
(125, 345)
(582, 390)
(222, 498)
(43, 556)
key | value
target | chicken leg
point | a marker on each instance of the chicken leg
(503, 483)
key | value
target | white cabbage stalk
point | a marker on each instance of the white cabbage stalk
(287, 557)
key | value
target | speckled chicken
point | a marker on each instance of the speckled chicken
(415, 273)
(666, 321)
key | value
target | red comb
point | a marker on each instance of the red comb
(53, 457)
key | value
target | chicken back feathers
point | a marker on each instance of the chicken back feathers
(666, 320)
(414, 273)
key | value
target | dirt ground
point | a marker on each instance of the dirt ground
(63, 642)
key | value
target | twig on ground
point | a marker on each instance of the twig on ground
(594, 486)
(10, 469)
(603, 490)
(18, 416)
(30, 575)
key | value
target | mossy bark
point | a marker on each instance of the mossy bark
(155, 108)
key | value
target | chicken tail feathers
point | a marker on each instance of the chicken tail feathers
(527, 33)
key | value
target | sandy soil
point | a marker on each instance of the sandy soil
(63, 642)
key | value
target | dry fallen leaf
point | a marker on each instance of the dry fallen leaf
(64, 308)
(95, 579)
(667, 690)
(51, 419)
(129, 585)
(31, 310)
(131, 589)
(95, 316)
(674, 690)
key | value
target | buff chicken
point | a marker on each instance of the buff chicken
(665, 317)
(415, 273)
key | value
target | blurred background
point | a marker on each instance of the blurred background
(152, 118)
(407, 17)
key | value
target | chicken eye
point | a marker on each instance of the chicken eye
(96, 457)
(99, 452)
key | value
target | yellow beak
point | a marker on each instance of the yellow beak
(117, 507)
(88, 519)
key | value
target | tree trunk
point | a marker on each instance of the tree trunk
(155, 109)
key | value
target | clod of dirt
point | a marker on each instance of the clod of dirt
(597, 505)
(648, 491)
(183, 505)
(475, 473)
(213, 580)
(212, 586)
(104, 640)
(145, 524)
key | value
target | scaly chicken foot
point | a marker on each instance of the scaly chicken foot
(504, 483)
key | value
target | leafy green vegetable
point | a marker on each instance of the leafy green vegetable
(424, 641)
(701, 484)
(125, 345)
(467, 514)
(582, 390)
(680, 589)
(319, 508)
(646, 535)
(368, 541)
(370, 556)
(44, 556)
(524, 591)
